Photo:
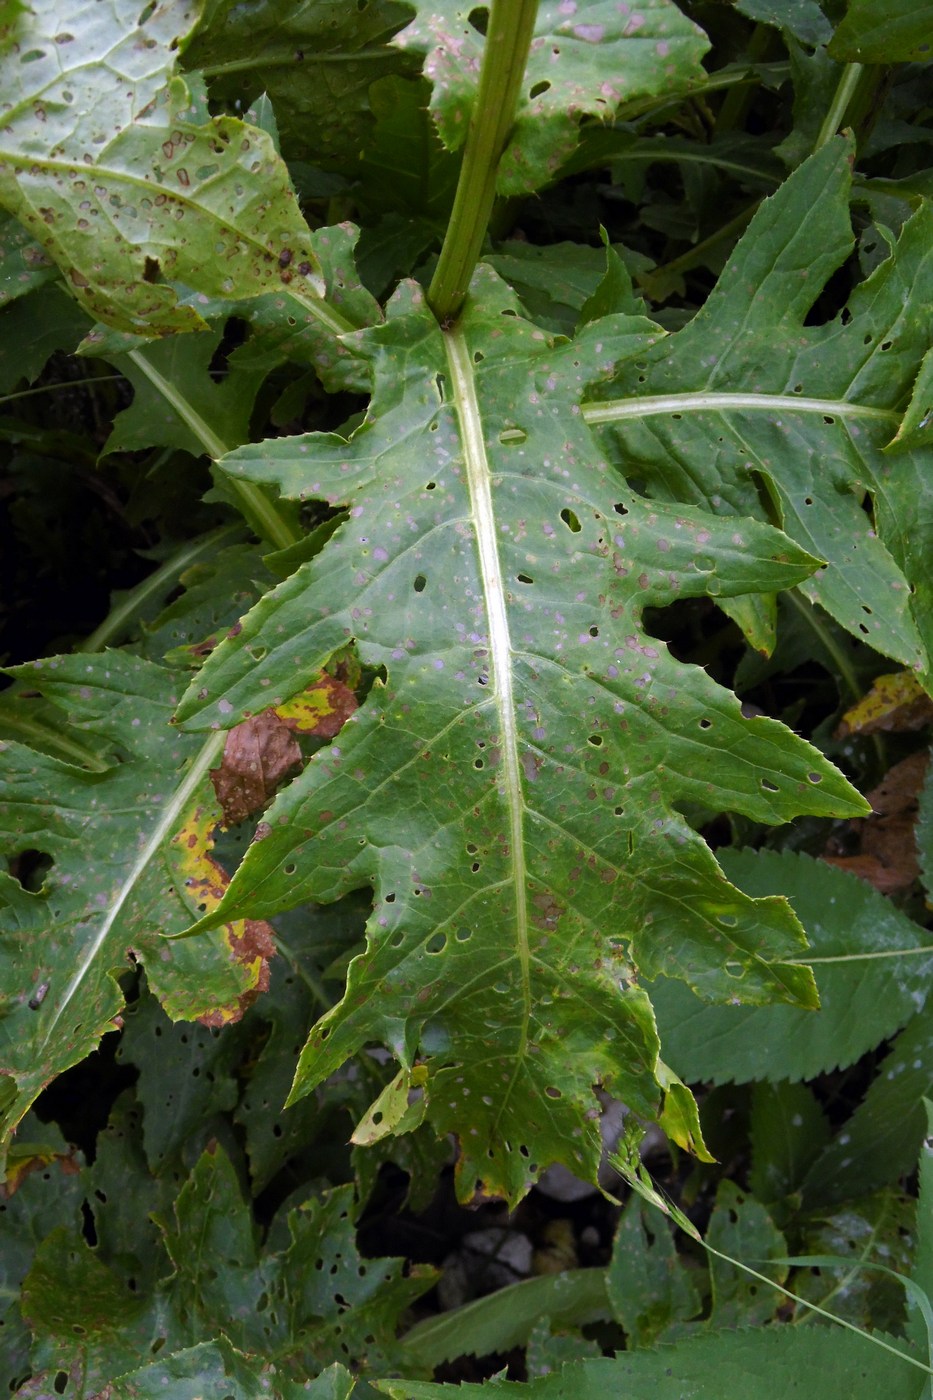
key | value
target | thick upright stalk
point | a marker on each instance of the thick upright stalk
(508, 39)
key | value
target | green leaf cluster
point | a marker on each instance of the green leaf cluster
(467, 467)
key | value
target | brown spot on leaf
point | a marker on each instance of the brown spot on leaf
(549, 912)
(258, 755)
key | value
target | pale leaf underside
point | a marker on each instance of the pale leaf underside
(109, 164)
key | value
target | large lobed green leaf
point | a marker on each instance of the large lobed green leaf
(510, 787)
(114, 168)
(872, 967)
(109, 892)
(756, 1363)
(586, 59)
(748, 401)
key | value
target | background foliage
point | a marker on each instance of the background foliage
(447, 709)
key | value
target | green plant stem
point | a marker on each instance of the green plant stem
(258, 510)
(40, 735)
(848, 82)
(508, 39)
(315, 987)
(845, 669)
(131, 605)
(738, 98)
(61, 384)
(695, 255)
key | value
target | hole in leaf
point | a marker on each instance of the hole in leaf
(436, 944)
(768, 786)
(512, 437)
(706, 724)
(620, 509)
(539, 88)
(431, 486)
(440, 383)
(571, 520)
(525, 578)
(419, 583)
(596, 740)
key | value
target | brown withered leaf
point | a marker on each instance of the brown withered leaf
(258, 755)
(888, 857)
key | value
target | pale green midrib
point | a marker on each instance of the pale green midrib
(69, 750)
(168, 823)
(213, 445)
(130, 606)
(270, 522)
(334, 322)
(500, 642)
(862, 957)
(286, 59)
(712, 401)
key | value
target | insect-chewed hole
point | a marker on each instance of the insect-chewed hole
(620, 509)
(706, 724)
(431, 486)
(524, 578)
(768, 786)
(419, 583)
(596, 740)
(539, 89)
(571, 520)
(436, 943)
(512, 437)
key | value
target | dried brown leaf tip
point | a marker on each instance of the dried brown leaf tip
(258, 755)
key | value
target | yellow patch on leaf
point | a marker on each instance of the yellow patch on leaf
(896, 703)
(202, 882)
